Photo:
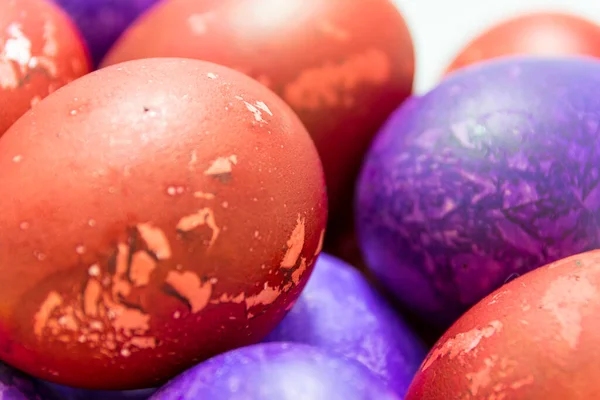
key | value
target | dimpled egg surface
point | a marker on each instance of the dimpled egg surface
(341, 312)
(40, 51)
(491, 174)
(534, 338)
(277, 371)
(102, 21)
(184, 222)
(343, 66)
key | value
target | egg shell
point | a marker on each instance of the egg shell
(540, 34)
(40, 51)
(277, 371)
(339, 311)
(69, 393)
(15, 385)
(490, 175)
(155, 213)
(101, 22)
(534, 338)
(343, 66)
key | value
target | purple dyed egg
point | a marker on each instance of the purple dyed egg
(101, 22)
(277, 371)
(15, 385)
(493, 173)
(340, 312)
(69, 393)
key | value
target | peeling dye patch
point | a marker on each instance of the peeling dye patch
(189, 286)
(497, 296)
(204, 216)
(203, 195)
(105, 312)
(17, 49)
(294, 244)
(462, 343)
(265, 297)
(297, 274)
(222, 167)
(142, 266)
(156, 240)
(565, 298)
(522, 382)
(256, 112)
(17, 61)
(332, 84)
(264, 107)
(481, 378)
(320, 244)
(53, 300)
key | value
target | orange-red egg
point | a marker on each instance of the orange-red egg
(343, 66)
(543, 34)
(534, 338)
(154, 213)
(40, 51)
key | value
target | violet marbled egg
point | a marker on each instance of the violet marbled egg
(70, 393)
(341, 312)
(101, 22)
(14, 385)
(493, 173)
(277, 371)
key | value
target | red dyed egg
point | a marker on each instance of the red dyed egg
(155, 213)
(534, 338)
(544, 34)
(40, 51)
(343, 66)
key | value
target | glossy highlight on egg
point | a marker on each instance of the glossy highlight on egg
(277, 371)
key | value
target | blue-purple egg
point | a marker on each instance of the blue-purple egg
(341, 312)
(101, 22)
(493, 173)
(14, 385)
(70, 393)
(277, 371)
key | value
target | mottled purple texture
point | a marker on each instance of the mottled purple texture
(15, 385)
(340, 311)
(493, 173)
(101, 22)
(68, 393)
(277, 371)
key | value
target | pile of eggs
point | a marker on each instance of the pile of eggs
(236, 199)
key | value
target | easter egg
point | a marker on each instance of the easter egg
(490, 175)
(155, 214)
(276, 371)
(534, 338)
(102, 21)
(40, 51)
(14, 385)
(69, 393)
(343, 66)
(541, 34)
(339, 311)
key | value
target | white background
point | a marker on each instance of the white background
(441, 28)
